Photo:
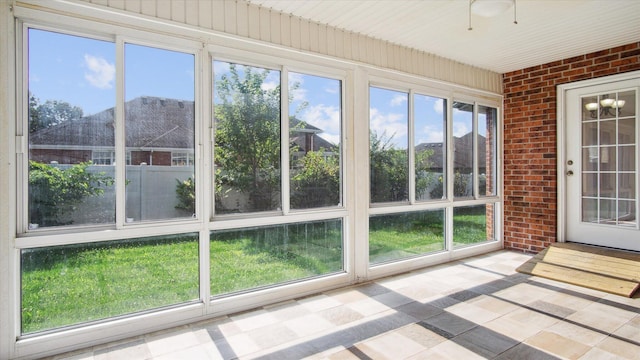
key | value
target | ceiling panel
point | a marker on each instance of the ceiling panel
(547, 30)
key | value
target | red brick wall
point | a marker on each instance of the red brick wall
(530, 187)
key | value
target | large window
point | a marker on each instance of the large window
(70, 284)
(162, 178)
(70, 114)
(257, 257)
(159, 119)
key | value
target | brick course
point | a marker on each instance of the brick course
(530, 176)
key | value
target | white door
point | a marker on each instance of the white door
(602, 158)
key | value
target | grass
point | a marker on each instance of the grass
(67, 285)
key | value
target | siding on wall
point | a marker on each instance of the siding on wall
(240, 18)
(530, 176)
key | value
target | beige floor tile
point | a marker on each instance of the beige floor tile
(242, 344)
(577, 333)
(319, 302)
(602, 317)
(308, 325)
(192, 353)
(168, 343)
(254, 319)
(473, 313)
(368, 306)
(599, 354)
(448, 350)
(622, 349)
(523, 293)
(347, 296)
(630, 330)
(558, 345)
(392, 345)
(422, 336)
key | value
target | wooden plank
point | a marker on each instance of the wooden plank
(589, 280)
(607, 265)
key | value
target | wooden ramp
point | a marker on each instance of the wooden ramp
(609, 270)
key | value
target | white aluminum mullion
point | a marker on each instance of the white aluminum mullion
(411, 149)
(203, 99)
(474, 151)
(449, 176)
(119, 130)
(284, 140)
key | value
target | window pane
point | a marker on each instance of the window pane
(487, 150)
(159, 119)
(388, 146)
(71, 284)
(71, 101)
(247, 139)
(462, 150)
(400, 236)
(430, 123)
(314, 136)
(245, 259)
(473, 224)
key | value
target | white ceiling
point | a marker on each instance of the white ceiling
(547, 30)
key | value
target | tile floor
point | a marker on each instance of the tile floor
(477, 308)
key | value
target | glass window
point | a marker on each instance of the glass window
(487, 150)
(473, 224)
(103, 157)
(462, 150)
(388, 146)
(314, 141)
(72, 284)
(246, 259)
(399, 236)
(181, 159)
(247, 139)
(159, 119)
(71, 103)
(430, 122)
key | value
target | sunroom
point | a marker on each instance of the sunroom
(169, 162)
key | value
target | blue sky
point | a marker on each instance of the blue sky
(81, 71)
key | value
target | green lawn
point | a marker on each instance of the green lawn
(67, 285)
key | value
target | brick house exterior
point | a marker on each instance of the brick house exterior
(530, 144)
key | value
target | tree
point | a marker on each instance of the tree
(51, 113)
(318, 181)
(247, 138)
(54, 193)
(389, 167)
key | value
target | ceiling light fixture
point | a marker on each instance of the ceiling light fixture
(491, 8)
(607, 107)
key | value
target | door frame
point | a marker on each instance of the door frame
(561, 132)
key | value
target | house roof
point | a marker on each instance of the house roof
(151, 122)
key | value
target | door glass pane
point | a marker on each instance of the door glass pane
(399, 236)
(314, 141)
(609, 164)
(258, 257)
(463, 150)
(388, 146)
(71, 102)
(430, 117)
(72, 284)
(159, 120)
(247, 139)
(487, 148)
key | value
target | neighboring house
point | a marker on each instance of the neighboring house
(462, 147)
(158, 132)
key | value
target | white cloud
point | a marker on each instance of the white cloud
(438, 106)
(460, 129)
(325, 118)
(430, 134)
(391, 124)
(220, 67)
(100, 73)
(399, 99)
